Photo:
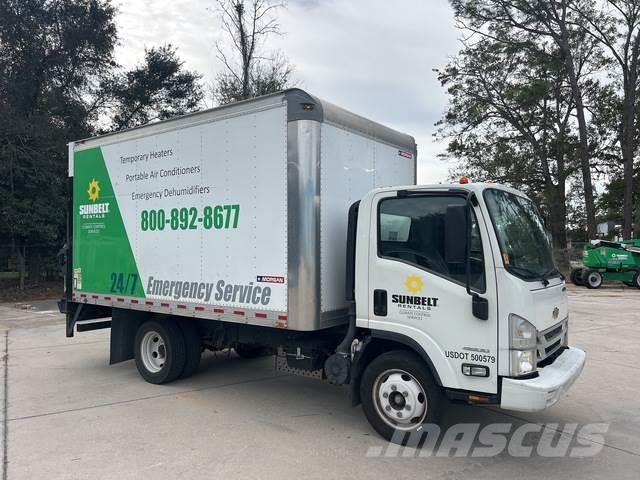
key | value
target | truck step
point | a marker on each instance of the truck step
(87, 327)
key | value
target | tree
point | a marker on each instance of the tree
(52, 54)
(157, 89)
(617, 28)
(576, 218)
(509, 120)
(553, 22)
(612, 200)
(248, 71)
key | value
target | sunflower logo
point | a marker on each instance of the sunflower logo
(414, 284)
(94, 190)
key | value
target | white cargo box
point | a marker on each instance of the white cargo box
(238, 213)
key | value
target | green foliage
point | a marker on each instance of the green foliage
(51, 54)
(157, 89)
(610, 202)
(596, 45)
(508, 118)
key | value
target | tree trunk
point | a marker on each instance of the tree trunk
(244, 50)
(637, 222)
(22, 264)
(558, 224)
(585, 167)
(628, 149)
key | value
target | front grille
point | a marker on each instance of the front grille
(552, 348)
(550, 341)
(554, 332)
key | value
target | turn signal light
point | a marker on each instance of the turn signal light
(477, 398)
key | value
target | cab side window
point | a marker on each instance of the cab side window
(412, 230)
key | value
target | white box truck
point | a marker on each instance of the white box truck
(288, 225)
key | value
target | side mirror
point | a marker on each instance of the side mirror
(455, 234)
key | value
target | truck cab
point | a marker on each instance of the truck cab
(461, 277)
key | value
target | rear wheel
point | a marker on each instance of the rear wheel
(399, 395)
(576, 277)
(160, 351)
(593, 279)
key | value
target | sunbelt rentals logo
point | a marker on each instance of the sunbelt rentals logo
(414, 284)
(414, 302)
(94, 209)
(94, 190)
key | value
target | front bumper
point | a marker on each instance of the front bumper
(534, 394)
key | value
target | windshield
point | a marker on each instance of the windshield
(524, 242)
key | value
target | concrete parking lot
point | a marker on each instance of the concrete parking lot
(68, 414)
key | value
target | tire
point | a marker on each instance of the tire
(576, 277)
(160, 351)
(592, 279)
(400, 383)
(636, 280)
(193, 345)
(249, 350)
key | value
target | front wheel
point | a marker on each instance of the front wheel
(636, 280)
(593, 279)
(399, 395)
(160, 351)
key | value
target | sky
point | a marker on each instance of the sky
(373, 57)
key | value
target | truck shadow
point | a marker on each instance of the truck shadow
(283, 399)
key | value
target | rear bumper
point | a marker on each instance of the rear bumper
(552, 382)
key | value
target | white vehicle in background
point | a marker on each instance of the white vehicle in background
(267, 226)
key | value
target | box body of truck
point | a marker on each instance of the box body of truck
(236, 213)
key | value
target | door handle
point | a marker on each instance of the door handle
(380, 303)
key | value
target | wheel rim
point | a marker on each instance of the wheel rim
(594, 279)
(153, 351)
(399, 399)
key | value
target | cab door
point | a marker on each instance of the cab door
(418, 291)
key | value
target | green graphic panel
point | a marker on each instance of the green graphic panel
(103, 260)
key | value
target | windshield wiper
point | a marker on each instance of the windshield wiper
(552, 273)
(532, 275)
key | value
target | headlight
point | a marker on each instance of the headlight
(523, 362)
(523, 340)
(523, 334)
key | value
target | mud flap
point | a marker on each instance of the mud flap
(124, 325)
